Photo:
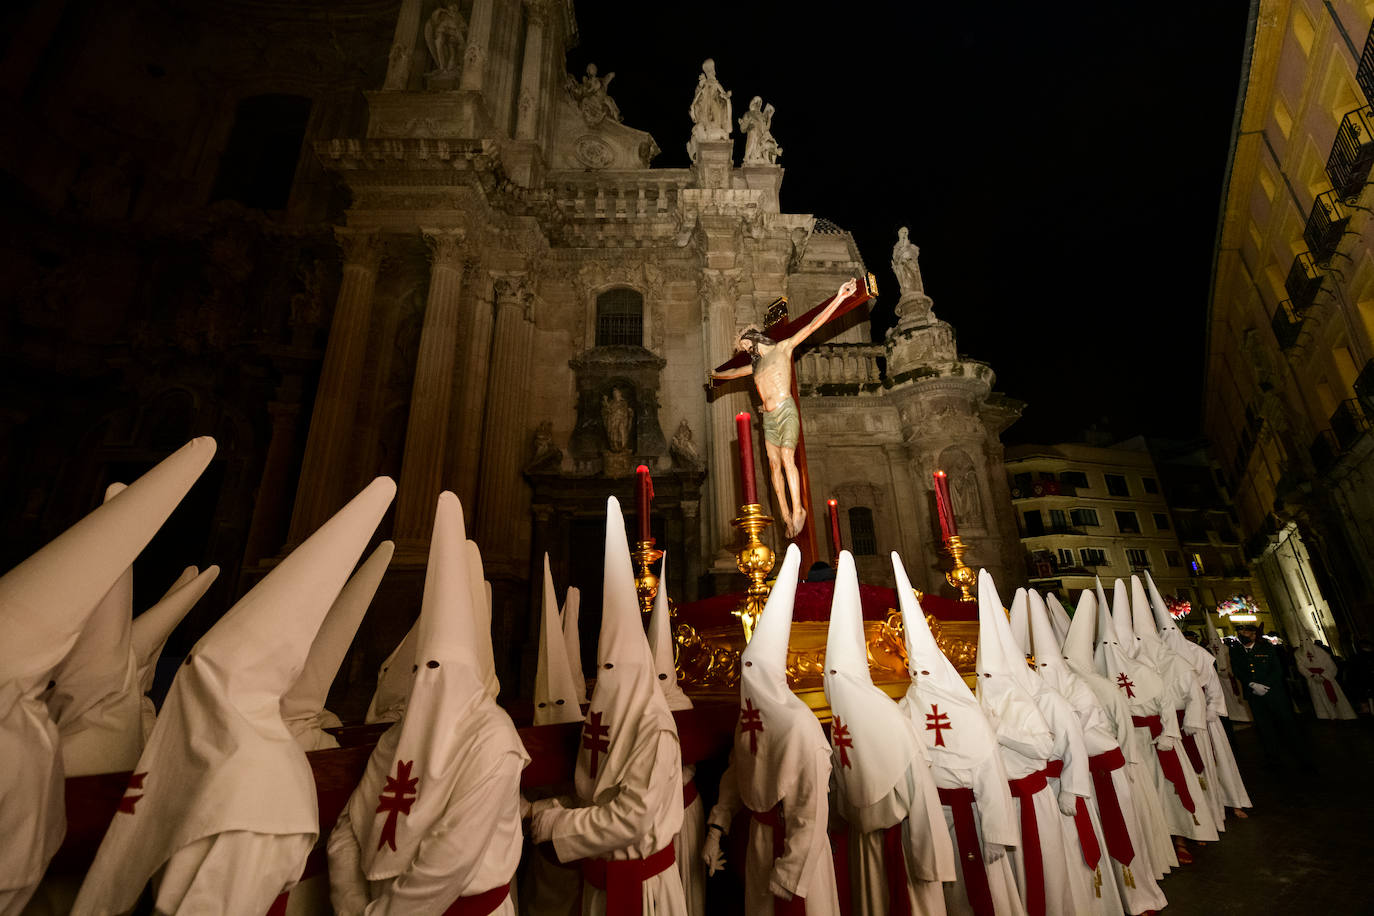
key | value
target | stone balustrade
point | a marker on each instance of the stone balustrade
(840, 368)
(603, 196)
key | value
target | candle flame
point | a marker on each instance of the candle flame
(832, 502)
(744, 413)
(939, 473)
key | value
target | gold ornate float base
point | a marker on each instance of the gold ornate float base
(708, 659)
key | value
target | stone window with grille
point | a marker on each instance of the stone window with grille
(620, 318)
(863, 538)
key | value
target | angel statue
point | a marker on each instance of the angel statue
(445, 31)
(759, 146)
(710, 109)
(591, 97)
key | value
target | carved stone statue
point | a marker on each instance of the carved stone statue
(445, 32)
(592, 100)
(906, 265)
(710, 111)
(759, 146)
(968, 505)
(544, 453)
(616, 417)
(683, 448)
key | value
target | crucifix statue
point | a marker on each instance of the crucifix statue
(768, 358)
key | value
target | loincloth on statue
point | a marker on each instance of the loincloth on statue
(782, 425)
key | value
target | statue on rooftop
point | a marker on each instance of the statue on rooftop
(906, 265)
(592, 100)
(759, 146)
(710, 111)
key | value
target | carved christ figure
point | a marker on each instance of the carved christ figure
(770, 363)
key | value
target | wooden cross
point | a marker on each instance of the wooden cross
(779, 327)
(594, 739)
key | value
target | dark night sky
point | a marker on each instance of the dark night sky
(1059, 164)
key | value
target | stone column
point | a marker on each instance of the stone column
(403, 46)
(475, 55)
(431, 394)
(472, 404)
(318, 493)
(498, 521)
(527, 108)
(718, 290)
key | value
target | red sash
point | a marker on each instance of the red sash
(1032, 858)
(773, 818)
(1109, 806)
(894, 867)
(1329, 687)
(1087, 837)
(1190, 746)
(1169, 763)
(623, 879)
(479, 904)
(278, 907)
(960, 802)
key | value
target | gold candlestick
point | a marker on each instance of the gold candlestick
(755, 560)
(961, 576)
(646, 583)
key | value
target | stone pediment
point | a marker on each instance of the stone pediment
(606, 144)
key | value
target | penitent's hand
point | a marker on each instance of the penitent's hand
(711, 854)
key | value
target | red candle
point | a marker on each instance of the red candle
(645, 493)
(948, 528)
(835, 543)
(745, 429)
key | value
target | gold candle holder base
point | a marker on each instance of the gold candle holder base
(962, 577)
(755, 560)
(646, 583)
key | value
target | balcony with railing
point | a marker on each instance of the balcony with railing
(1352, 154)
(1325, 225)
(1287, 324)
(1304, 281)
(841, 368)
(1349, 423)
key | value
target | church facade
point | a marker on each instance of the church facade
(522, 309)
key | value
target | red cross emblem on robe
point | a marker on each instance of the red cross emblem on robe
(751, 722)
(403, 788)
(126, 804)
(839, 736)
(595, 739)
(937, 721)
(1125, 684)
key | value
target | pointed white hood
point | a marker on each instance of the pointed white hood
(1141, 683)
(481, 603)
(1018, 619)
(1059, 618)
(302, 708)
(874, 743)
(453, 732)
(1143, 624)
(555, 693)
(1049, 658)
(1217, 647)
(44, 604)
(661, 644)
(1092, 625)
(46, 600)
(154, 626)
(95, 696)
(1005, 685)
(959, 736)
(220, 758)
(777, 735)
(572, 639)
(393, 682)
(1168, 630)
(627, 709)
(1127, 637)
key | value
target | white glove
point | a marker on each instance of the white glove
(542, 824)
(777, 890)
(1258, 689)
(710, 852)
(992, 852)
(1166, 742)
(543, 804)
(1068, 803)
